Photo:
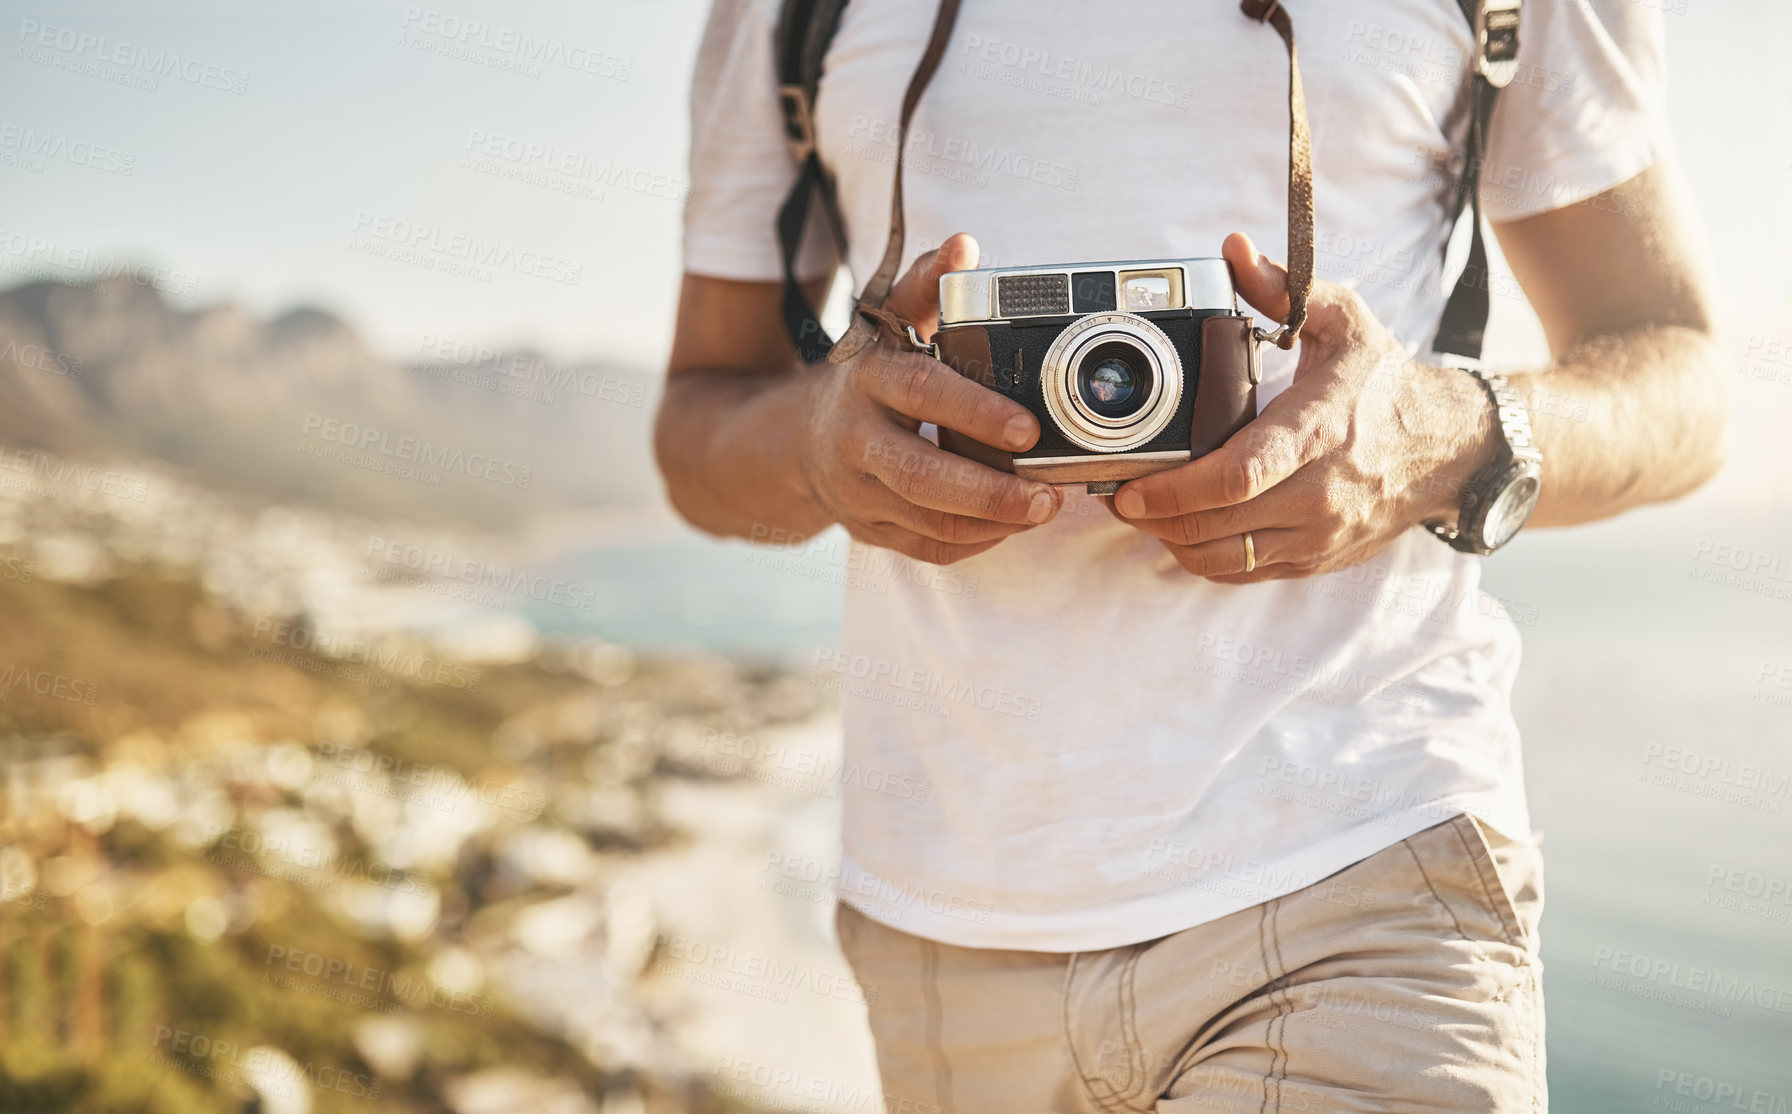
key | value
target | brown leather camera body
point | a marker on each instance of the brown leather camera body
(1218, 354)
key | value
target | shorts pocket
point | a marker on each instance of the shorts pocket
(1457, 861)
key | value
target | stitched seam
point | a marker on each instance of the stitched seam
(1480, 949)
(1106, 1095)
(936, 1049)
(1064, 1013)
(1435, 896)
(1537, 1081)
(1076, 1061)
(1275, 1053)
(1275, 938)
(1268, 1030)
(1103, 1093)
(1100, 1088)
(1129, 1028)
(1479, 855)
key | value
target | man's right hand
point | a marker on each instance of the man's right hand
(873, 473)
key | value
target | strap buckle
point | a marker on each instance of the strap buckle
(799, 122)
(1282, 336)
(1496, 41)
(914, 338)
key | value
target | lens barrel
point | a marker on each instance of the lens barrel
(1111, 382)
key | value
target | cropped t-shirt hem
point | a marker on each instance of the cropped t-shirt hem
(975, 924)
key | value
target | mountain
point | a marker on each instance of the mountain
(298, 408)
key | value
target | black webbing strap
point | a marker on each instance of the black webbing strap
(805, 28)
(1495, 25)
(870, 314)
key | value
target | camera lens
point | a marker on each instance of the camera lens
(1114, 380)
(1111, 382)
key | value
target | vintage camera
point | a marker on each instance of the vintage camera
(1131, 367)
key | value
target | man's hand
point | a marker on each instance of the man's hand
(868, 468)
(1365, 444)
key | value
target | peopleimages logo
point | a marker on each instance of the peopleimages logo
(1724, 1094)
(429, 563)
(397, 662)
(55, 472)
(966, 154)
(481, 257)
(410, 450)
(343, 980)
(1080, 79)
(390, 776)
(565, 170)
(228, 1060)
(82, 266)
(34, 145)
(760, 976)
(504, 48)
(883, 676)
(1688, 986)
(42, 359)
(45, 683)
(68, 49)
(797, 768)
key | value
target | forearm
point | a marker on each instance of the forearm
(1626, 420)
(1634, 407)
(729, 445)
(1622, 420)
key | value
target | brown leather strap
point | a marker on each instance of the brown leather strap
(885, 316)
(1300, 175)
(871, 315)
(864, 329)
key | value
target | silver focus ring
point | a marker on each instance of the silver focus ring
(1092, 431)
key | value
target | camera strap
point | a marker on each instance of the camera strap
(805, 28)
(1300, 179)
(865, 324)
(871, 315)
(1464, 323)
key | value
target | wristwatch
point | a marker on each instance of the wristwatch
(1501, 496)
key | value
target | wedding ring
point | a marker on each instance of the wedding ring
(1250, 552)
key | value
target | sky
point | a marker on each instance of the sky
(297, 139)
(300, 147)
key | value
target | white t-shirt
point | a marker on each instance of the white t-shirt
(1068, 743)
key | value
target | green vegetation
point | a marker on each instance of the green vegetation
(146, 965)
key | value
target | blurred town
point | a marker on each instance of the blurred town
(295, 816)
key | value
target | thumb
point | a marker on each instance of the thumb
(916, 295)
(1262, 281)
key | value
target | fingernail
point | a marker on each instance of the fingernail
(1041, 507)
(1018, 431)
(1130, 503)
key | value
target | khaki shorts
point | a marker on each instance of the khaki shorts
(1408, 982)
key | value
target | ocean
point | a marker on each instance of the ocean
(1656, 705)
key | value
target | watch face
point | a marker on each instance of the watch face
(1510, 508)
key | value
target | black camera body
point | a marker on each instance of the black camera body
(1130, 367)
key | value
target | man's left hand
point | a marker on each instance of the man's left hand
(1365, 444)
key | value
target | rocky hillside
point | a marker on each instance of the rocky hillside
(255, 859)
(298, 408)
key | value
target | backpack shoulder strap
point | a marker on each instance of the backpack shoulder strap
(1495, 23)
(805, 28)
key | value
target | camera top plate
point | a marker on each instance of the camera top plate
(1065, 289)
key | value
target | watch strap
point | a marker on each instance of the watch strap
(1516, 443)
(1514, 416)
